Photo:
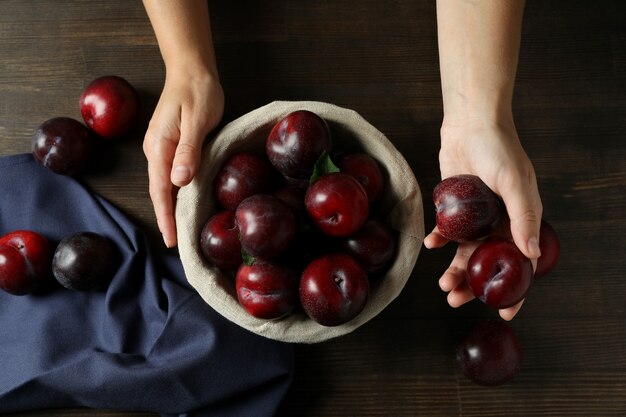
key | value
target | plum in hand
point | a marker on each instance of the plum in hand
(499, 274)
(550, 247)
(466, 208)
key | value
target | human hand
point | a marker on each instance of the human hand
(493, 152)
(190, 106)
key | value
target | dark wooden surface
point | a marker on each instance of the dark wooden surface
(380, 58)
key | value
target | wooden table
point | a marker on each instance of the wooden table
(380, 59)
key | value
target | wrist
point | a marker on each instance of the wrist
(476, 104)
(464, 126)
(188, 71)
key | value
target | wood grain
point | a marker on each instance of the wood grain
(381, 59)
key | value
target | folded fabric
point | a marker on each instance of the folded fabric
(147, 343)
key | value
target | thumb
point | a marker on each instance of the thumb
(524, 208)
(187, 156)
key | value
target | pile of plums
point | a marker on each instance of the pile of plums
(498, 273)
(109, 106)
(29, 262)
(296, 227)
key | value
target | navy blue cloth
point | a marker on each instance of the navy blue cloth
(147, 343)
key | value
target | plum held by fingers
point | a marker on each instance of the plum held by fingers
(466, 208)
(499, 274)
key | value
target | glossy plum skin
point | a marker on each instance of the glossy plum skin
(367, 171)
(25, 259)
(337, 204)
(267, 290)
(64, 145)
(334, 289)
(267, 226)
(296, 142)
(550, 247)
(466, 209)
(242, 175)
(219, 241)
(499, 274)
(109, 105)
(84, 261)
(490, 354)
(373, 245)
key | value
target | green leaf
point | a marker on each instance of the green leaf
(247, 258)
(324, 165)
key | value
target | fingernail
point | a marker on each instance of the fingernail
(167, 245)
(533, 247)
(181, 174)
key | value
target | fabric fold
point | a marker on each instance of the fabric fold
(147, 343)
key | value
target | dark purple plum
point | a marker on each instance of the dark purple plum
(242, 175)
(267, 290)
(550, 247)
(85, 261)
(490, 354)
(296, 142)
(267, 226)
(219, 241)
(466, 208)
(499, 274)
(293, 196)
(64, 145)
(373, 245)
(366, 170)
(334, 289)
(337, 204)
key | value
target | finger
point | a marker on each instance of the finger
(508, 313)
(452, 278)
(435, 240)
(456, 274)
(523, 205)
(460, 295)
(162, 193)
(158, 152)
(187, 156)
